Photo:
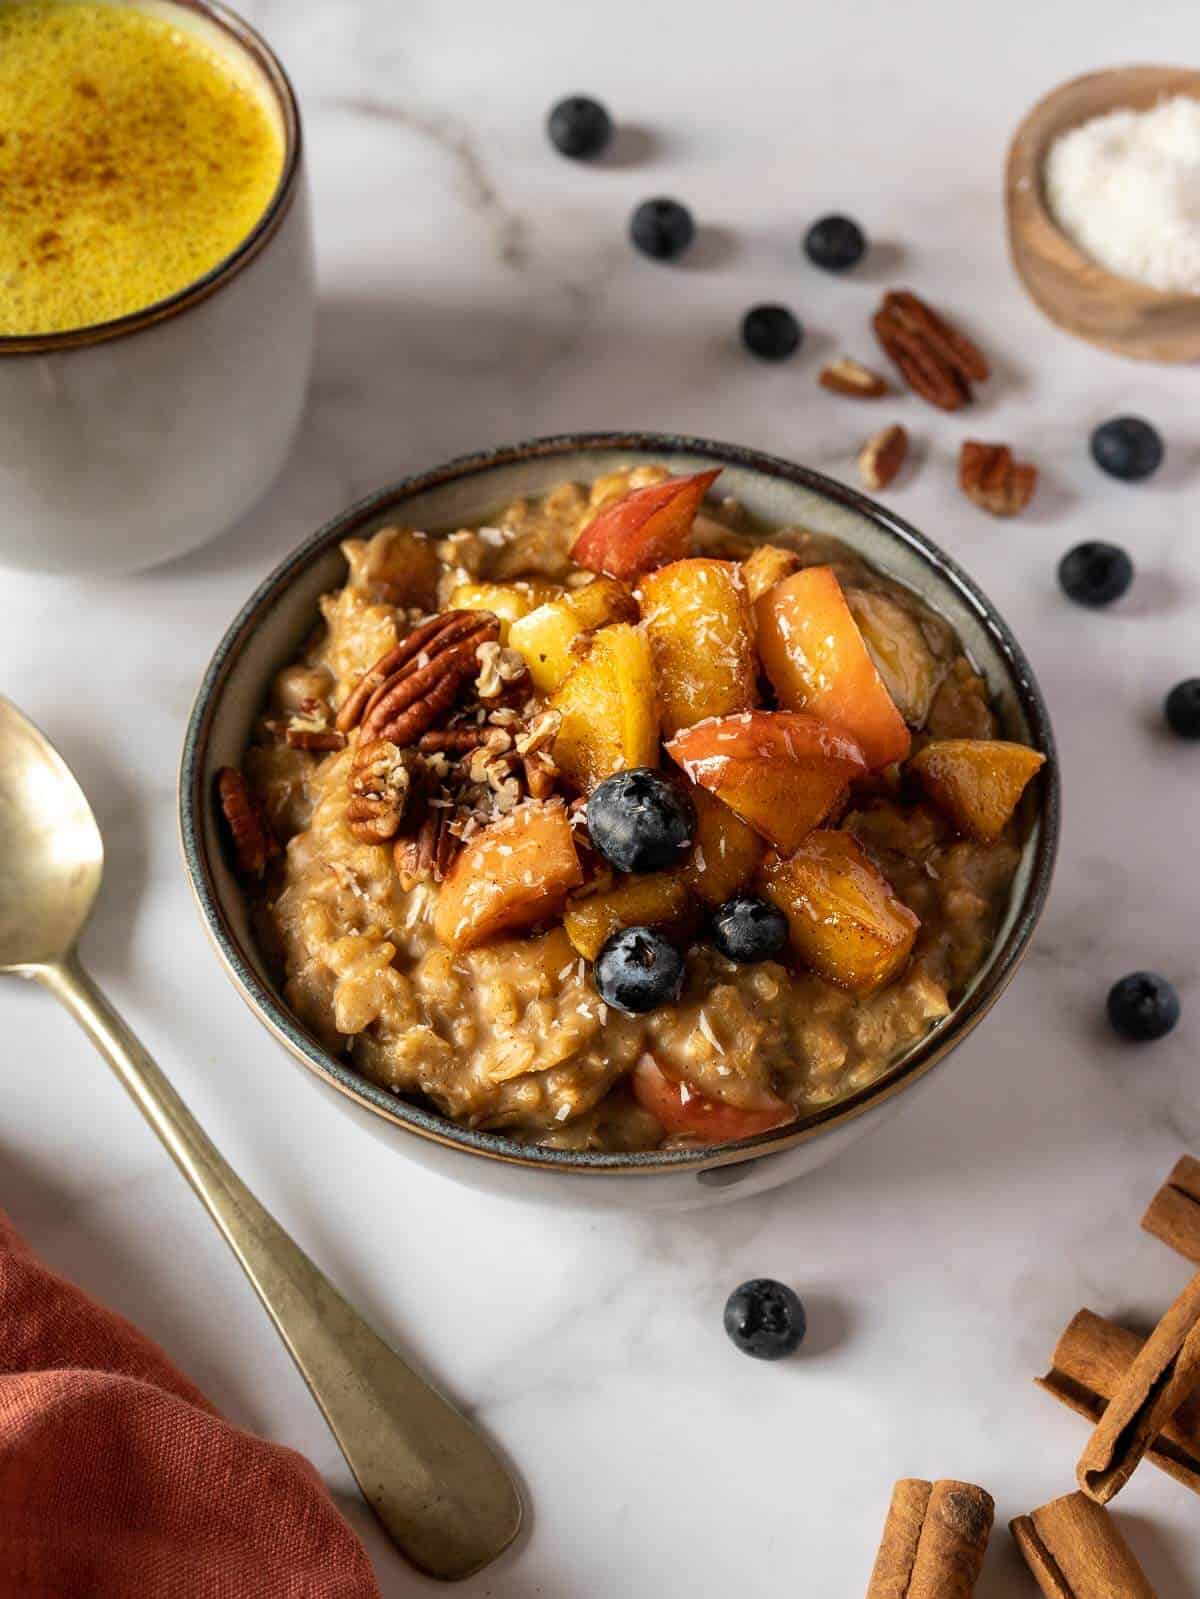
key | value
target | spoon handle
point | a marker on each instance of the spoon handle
(438, 1488)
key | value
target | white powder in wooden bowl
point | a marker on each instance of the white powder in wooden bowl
(1125, 188)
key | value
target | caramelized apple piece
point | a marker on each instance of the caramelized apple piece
(658, 899)
(544, 637)
(726, 852)
(681, 1111)
(515, 873)
(816, 659)
(910, 671)
(976, 782)
(767, 565)
(608, 709)
(844, 917)
(643, 529)
(781, 771)
(508, 601)
(701, 629)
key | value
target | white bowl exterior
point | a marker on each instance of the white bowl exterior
(117, 455)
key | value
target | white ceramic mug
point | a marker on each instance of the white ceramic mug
(134, 440)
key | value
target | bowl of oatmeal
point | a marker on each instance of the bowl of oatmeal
(619, 817)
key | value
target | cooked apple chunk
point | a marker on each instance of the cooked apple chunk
(817, 661)
(725, 850)
(608, 708)
(545, 636)
(844, 918)
(697, 614)
(976, 782)
(910, 671)
(659, 899)
(683, 1112)
(508, 601)
(514, 874)
(781, 771)
(643, 529)
(767, 565)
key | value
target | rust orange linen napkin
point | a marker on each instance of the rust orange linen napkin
(118, 1480)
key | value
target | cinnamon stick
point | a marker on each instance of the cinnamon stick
(1088, 1366)
(1074, 1550)
(933, 1541)
(1174, 1214)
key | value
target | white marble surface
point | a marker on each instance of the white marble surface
(476, 289)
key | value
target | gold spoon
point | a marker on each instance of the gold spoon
(440, 1491)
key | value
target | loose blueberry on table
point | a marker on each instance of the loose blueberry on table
(765, 1319)
(747, 928)
(1143, 1007)
(639, 821)
(1095, 573)
(835, 243)
(1182, 708)
(662, 228)
(579, 127)
(637, 970)
(771, 332)
(1127, 447)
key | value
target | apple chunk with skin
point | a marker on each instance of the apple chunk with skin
(844, 918)
(781, 771)
(977, 782)
(701, 628)
(680, 1110)
(817, 661)
(515, 873)
(645, 528)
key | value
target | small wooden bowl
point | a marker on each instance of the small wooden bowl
(1070, 288)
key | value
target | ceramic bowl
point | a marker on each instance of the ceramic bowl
(276, 618)
(1067, 285)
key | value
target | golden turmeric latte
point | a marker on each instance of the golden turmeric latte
(134, 157)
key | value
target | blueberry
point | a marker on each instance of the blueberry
(640, 821)
(637, 970)
(747, 928)
(662, 228)
(834, 243)
(579, 127)
(771, 332)
(765, 1319)
(1182, 708)
(1128, 448)
(1095, 573)
(1142, 1007)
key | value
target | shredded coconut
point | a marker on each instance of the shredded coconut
(1125, 188)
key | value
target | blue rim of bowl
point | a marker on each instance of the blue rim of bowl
(339, 1074)
(253, 45)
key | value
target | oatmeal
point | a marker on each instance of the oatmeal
(612, 826)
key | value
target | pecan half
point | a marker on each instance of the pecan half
(410, 689)
(451, 740)
(381, 784)
(988, 475)
(937, 361)
(882, 456)
(849, 377)
(253, 841)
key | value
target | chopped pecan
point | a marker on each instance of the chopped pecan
(452, 740)
(381, 784)
(988, 475)
(882, 456)
(427, 856)
(253, 841)
(500, 670)
(849, 377)
(410, 689)
(937, 361)
(309, 728)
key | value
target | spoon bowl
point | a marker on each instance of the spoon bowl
(51, 853)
